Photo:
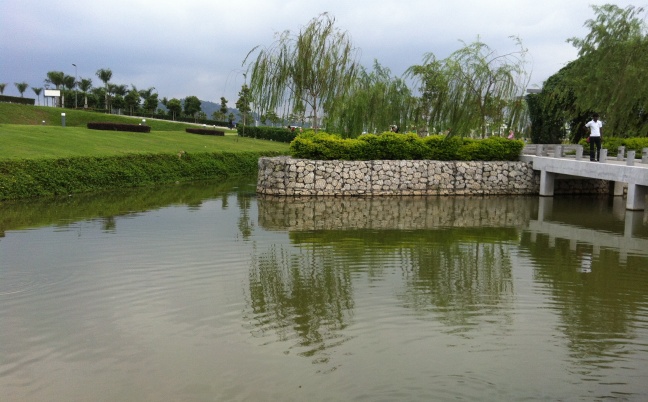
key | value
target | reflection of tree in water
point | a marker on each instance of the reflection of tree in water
(303, 296)
(245, 225)
(597, 306)
(460, 282)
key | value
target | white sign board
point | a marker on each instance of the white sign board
(52, 92)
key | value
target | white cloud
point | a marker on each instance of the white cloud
(196, 47)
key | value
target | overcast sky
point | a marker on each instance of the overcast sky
(196, 47)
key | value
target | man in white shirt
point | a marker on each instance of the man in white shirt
(596, 129)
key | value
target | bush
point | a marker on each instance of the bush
(392, 146)
(16, 99)
(204, 131)
(280, 134)
(136, 128)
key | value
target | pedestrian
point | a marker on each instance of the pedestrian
(596, 130)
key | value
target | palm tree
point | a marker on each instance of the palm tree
(2, 87)
(22, 87)
(56, 78)
(37, 91)
(68, 82)
(84, 85)
(105, 74)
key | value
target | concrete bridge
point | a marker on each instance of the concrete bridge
(623, 171)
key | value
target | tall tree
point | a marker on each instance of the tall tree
(192, 106)
(150, 99)
(174, 106)
(132, 100)
(69, 82)
(37, 92)
(85, 85)
(2, 88)
(611, 78)
(21, 87)
(105, 74)
(313, 69)
(243, 104)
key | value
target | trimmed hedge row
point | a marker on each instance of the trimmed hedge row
(135, 128)
(392, 146)
(204, 131)
(280, 134)
(16, 99)
(44, 177)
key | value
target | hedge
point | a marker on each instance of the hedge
(136, 128)
(16, 99)
(280, 134)
(393, 146)
(44, 177)
(204, 131)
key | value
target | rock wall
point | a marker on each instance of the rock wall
(304, 177)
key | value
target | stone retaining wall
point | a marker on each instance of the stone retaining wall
(304, 177)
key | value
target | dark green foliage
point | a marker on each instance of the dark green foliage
(391, 146)
(17, 99)
(135, 128)
(35, 178)
(204, 131)
(281, 134)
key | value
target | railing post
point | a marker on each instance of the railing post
(539, 149)
(579, 152)
(644, 155)
(620, 152)
(630, 159)
(603, 155)
(558, 151)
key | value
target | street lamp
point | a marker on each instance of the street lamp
(75, 85)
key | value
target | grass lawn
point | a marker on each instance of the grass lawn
(35, 142)
(24, 136)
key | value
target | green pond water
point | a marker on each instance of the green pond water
(208, 292)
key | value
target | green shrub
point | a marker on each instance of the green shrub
(281, 134)
(393, 146)
(135, 128)
(204, 131)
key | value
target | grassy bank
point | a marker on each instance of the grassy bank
(41, 160)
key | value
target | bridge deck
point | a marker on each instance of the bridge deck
(631, 172)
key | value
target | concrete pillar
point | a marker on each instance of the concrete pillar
(636, 197)
(539, 148)
(558, 151)
(630, 159)
(618, 189)
(603, 156)
(620, 153)
(547, 183)
(579, 152)
(644, 155)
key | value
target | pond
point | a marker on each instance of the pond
(206, 292)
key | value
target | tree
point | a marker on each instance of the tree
(611, 77)
(37, 92)
(69, 82)
(56, 78)
(474, 88)
(85, 85)
(243, 104)
(2, 88)
(315, 69)
(150, 99)
(105, 74)
(192, 105)
(21, 87)
(221, 114)
(174, 106)
(132, 100)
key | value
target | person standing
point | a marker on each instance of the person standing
(596, 129)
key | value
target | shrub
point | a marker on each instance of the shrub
(136, 128)
(393, 146)
(281, 134)
(204, 131)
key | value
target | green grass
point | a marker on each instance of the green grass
(20, 139)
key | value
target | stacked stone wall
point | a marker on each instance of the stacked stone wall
(286, 176)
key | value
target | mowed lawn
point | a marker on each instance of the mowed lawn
(34, 142)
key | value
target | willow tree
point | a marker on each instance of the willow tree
(611, 78)
(473, 88)
(376, 101)
(312, 70)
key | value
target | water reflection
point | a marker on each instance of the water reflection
(206, 291)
